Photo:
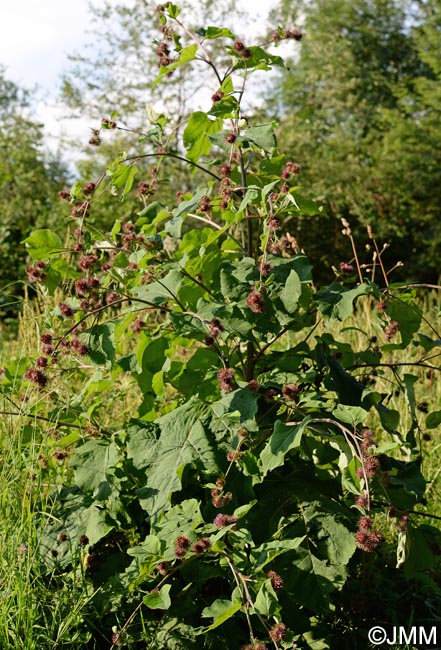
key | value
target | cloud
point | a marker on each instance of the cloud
(35, 37)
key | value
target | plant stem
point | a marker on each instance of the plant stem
(172, 155)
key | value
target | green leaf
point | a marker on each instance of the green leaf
(390, 418)
(141, 443)
(124, 175)
(320, 566)
(218, 139)
(150, 354)
(266, 602)
(305, 207)
(241, 404)
(336, 301)
(149, 548)
(158, 599)
(174, 226)
(183, 440)
(427, 343)
(91, 462)
(284, 438)
(75, 514)
(259, 60)
(152, 115)
(196, 134)
(262, 136)
(99, 340)
(250, 196)
(416, 549)
(291, 292)
(221, 611)
(227, 107)
(160, 291)
(408, 317)
(409, 382)
(349, 389)
(185, 55)
(215, 32)
(98, 524)
(181, 519)
(406, 483)
(42, 244)
(241, 511)
(268, 551)
(352, 415)
(433, 420)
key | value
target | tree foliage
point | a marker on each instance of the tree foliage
(29, 183)
(359, 106)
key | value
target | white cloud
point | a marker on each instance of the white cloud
(35, 38)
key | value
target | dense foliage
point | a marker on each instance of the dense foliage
(361, 104)
(253, 488)
(29, 186)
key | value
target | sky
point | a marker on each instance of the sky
(36, 37)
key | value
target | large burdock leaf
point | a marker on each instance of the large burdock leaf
(158, 599)
(336, 301)
(221, 611)
(183, 440)
(319, 566)
(42, 244)
(284, 438)
(91, 462)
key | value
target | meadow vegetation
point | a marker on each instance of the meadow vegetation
(202, 445)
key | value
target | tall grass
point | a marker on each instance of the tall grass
(39, 611)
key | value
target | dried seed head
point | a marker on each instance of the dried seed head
(41, 362)
(289, 392)
(233, 455)
(365, 523)
(217, 96)
(224, 520)
(182, 540)
(256, 302)
(276, 580)
(239, 46)
(253, 385)
(64, 195)
(182, 544)
(65, 309)
(225, 378)
(391, 330)
(89, 188)
(295, 33)
(201, 545)
(368, 541)
(225, 170)
(278, 632)
(346, 268)
(265, 268)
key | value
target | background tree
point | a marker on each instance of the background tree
(354, 108)
(29, 182)
(127, 48)
(410, 160)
